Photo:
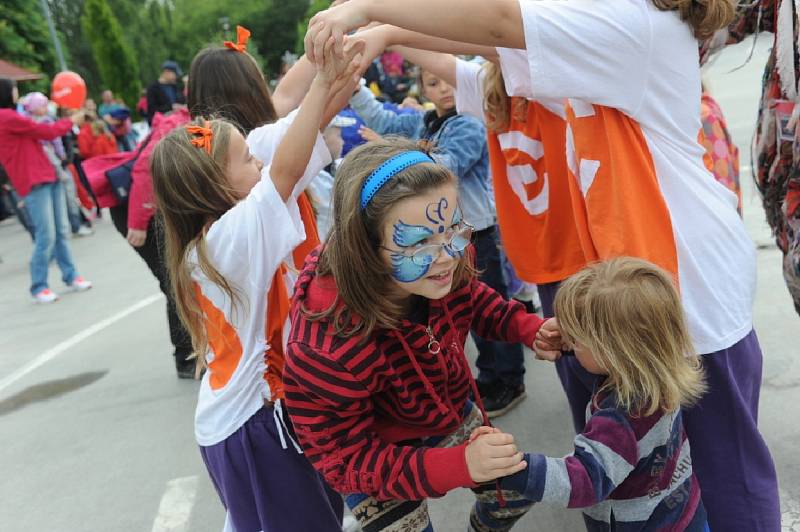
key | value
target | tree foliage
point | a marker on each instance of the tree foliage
(114, 56)
(120, 44)
(25, 41)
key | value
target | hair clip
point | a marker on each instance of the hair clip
(242, 36)
(203, 135)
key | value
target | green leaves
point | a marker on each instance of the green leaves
(114, 56)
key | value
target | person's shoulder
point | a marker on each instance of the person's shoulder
(466, 120)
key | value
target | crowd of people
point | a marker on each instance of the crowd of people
(327, 248)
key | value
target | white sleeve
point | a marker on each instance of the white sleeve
(516, 74)
(248, 243)
(469, 89)
(263, 142)
(589, 50)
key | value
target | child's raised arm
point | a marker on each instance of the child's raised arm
(294, 151)
(496, 23)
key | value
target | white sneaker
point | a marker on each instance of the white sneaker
(350, 524)
(84, 231)
(79, 284)
(45, 296)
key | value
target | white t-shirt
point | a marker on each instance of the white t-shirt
(629, 73)
(247, 246)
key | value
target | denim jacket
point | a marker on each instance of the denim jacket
(461, 147)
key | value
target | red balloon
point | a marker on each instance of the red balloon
(69, 90)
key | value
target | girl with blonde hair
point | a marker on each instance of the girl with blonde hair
(627, 73)
(631, 468)
(231, 223)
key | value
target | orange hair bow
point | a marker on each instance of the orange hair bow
(203, 135)
(242, 36)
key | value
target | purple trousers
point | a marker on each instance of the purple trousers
(729, 456)
(266, 487)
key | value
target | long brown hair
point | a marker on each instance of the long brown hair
(229, 84)
(704, 16)
(498, 105)
(351, 254)
(192, 191)
(628, 314)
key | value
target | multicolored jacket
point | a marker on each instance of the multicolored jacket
(628, 473)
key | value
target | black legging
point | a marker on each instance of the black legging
(152, 253)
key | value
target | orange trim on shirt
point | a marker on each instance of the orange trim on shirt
(312, 235)
(223, 341)
(278, 305)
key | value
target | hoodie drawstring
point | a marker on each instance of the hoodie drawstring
(462, 360)
(425, 382)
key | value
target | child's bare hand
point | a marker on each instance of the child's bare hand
(334, 23)
(483, 429)
(368, 134)
(548, 341)
(340, 67)
(491, 456)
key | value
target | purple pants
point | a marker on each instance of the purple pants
(730, 458)
(265, 487)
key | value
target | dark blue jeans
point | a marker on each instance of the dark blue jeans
(496, 360)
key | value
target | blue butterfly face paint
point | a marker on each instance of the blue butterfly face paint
(434, 212)
(405, 235)
(422, 229)
(405, 270)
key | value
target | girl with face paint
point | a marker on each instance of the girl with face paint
(377, 384)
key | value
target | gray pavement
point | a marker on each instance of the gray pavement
(96, 431)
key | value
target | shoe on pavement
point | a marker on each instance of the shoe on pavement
(79, 284)
(503, 398)
(45, 296)
(486, 388)
(84, 231)
(186, 368)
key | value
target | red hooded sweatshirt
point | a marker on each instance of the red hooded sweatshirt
(352, 400)
(21, 153)
(141, 201)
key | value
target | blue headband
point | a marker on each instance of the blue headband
(390, 168)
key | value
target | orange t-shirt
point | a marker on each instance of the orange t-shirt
(529, 173)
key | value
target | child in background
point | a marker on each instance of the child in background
(377, 383)
(631, 469)
(230, 224)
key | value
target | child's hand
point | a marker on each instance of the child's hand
(337, 70)
(368, 134)
(483, 429)
(491, 456)
(334, 23)
(548, 341)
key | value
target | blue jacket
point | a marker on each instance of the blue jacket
(461, 143)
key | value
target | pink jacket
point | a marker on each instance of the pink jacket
(141, 203)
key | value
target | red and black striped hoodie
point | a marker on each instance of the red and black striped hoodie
(354, 402)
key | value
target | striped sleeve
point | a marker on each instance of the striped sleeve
(332, 413)
(496, 318)
(605, 454)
